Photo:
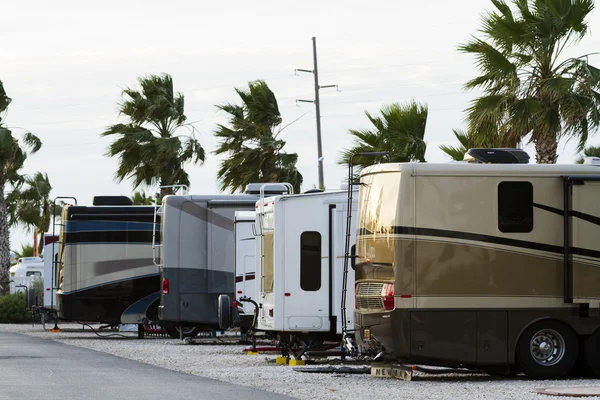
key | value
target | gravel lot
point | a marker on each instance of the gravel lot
(228, 363)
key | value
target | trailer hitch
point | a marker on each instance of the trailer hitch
(252, 329)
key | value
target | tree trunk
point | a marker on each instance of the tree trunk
(4, 243)
(165, 191)
(546, 149)
(41, 244)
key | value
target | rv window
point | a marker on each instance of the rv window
(310, 261)
(515, 207)
(33, 273)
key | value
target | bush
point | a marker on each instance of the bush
(12, 309)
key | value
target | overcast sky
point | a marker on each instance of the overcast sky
(65, 63)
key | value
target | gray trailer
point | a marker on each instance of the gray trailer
(197, 255)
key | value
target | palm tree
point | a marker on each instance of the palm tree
(529, 88)
(12, 158)
(26, 251)
(141, 199)
(150, 151)
(32, 207)
(470, 140)
(400, 131)
(591, 151)
(253, 151)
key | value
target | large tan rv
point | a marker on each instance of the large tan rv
(488, 266)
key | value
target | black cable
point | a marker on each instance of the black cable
(110, 334)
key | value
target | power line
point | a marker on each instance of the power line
(385, 66)
(356, 114)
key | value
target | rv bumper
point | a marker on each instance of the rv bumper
(377, 331)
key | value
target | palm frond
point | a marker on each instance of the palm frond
(147, 146)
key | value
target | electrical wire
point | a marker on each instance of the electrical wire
(102, 336)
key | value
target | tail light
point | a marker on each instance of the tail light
(387, 293)
(165, 286)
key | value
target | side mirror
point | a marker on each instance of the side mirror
(353, 256)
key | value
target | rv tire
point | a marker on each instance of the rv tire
(224, 311)
(590, 357)
(188, 331)
(547, 350)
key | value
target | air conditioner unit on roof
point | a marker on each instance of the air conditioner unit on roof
(497, 156)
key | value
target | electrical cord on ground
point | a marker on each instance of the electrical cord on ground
(102, 336)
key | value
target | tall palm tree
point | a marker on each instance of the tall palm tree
(32, 207)
(591, 151)
(12, 158)
(399, 130)
(253, 150)
(529, 87)
(149, 148)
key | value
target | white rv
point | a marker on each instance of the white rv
(50, 251)
(245, 264)
(24, 272)
(301, 242)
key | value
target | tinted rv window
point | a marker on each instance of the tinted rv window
(310, 261)
(515, 207)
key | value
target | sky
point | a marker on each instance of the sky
(65, 63)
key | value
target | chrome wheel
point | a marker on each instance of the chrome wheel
(547, 347)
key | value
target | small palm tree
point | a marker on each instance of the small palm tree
(470, 140)
(32, 207)
(400, 131)
(253, 151)
(529, 88)
(150, 151)
(141, 199)
(26, 251)
(12, 157)
(591, 151)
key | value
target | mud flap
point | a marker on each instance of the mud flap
(137, 312)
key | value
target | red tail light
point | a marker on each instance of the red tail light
(165, 286)
(387, 292)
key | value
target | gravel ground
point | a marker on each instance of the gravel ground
(228, 363)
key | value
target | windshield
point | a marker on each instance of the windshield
(378, 202)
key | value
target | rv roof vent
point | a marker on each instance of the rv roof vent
(314, 191)
(270, 188)
(592, 160)
(497, 156)
(112, 201)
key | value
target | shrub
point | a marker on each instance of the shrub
(12, 309)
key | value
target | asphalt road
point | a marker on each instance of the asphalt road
(32, 368)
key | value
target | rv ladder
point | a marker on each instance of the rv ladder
(347, 255)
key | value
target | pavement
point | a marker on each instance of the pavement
(33, 368)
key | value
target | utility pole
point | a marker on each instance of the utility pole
(315, 72)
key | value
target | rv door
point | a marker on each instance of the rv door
(585, 230)
(245, 263)
(306, 291)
